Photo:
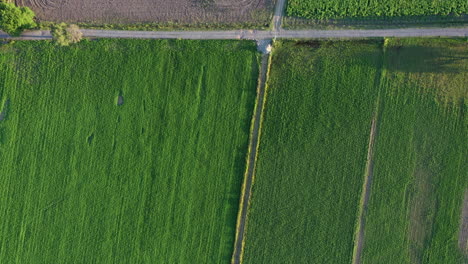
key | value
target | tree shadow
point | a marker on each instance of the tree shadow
(422, 59)
(452, 58)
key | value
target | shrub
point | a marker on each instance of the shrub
(65, 35)
(14, 19)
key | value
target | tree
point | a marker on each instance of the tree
(14, 19)
(65, 35)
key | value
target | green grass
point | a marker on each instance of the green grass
(155, 180)
(313, 149)
(333, 9)
(420, 171)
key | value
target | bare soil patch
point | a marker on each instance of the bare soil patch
(152, 11)
(463, 236)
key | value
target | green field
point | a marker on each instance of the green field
(333, 9)
(123, 151)
(420, 170)
(312, 157)
(313, 149)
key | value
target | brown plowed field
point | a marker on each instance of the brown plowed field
(147, 11)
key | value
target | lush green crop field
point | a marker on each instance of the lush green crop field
(376, 8)
(312, 156)
(87, 179)
(313, 152)
(420, 170)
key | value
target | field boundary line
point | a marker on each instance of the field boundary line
(365, 194)
(252, 154)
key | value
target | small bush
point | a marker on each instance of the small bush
(14, 19)
(65, 35)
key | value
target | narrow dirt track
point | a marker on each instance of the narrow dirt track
(253, 147)
(255, 134)
(359, 242)
(278, 15)
(254, 34)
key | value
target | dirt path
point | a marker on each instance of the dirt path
(255, 34)
(359, 242)
(262, 44)
(253, 147)
(278, 15)
(463, 236)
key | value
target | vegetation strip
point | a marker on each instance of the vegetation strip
(365, 193)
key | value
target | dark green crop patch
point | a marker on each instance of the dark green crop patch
(335, 9)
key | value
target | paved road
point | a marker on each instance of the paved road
(257, 34)
(260, 34)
